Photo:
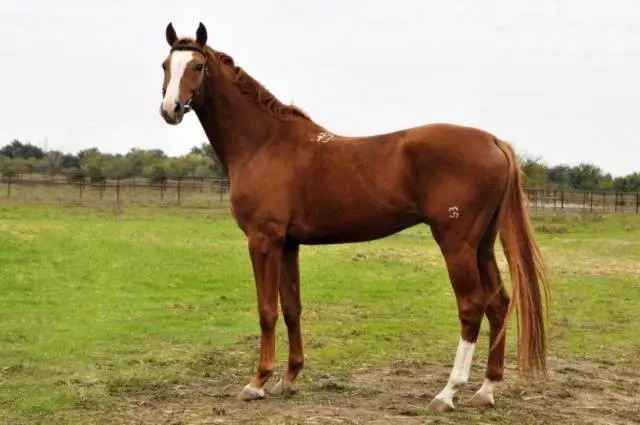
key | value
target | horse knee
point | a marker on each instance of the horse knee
(268, 319)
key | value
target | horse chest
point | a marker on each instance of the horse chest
(260, 208)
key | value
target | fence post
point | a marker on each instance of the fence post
(604, 201)
(621, 201)
(118, 190)
(533, 198)
(591, 201)
(179, 187)
(80, 184)
(562, 200)
(637, 203)
(9, 187)
(221, 188)
(554, 200)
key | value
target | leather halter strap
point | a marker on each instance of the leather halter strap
(193, 48)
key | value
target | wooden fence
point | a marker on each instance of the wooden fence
(206, 193)
(567, 200)
(193, 193)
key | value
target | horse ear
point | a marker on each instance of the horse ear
(201, 35)
(170, 33)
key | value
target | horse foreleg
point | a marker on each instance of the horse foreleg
(291, 310)
(266, 260)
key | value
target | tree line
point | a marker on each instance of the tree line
(17, 158)
(584, 176)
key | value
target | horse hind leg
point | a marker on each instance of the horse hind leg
(496, 310)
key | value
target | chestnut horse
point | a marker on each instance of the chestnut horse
(293, 182)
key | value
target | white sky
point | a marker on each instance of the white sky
(558, 78)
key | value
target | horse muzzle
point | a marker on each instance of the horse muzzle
(175, 114)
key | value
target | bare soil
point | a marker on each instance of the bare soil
(576, 393)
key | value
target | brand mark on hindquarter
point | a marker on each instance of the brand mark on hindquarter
(453, 212)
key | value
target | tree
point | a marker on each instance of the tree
(11, 167)
(630, 183)
(17, 149)
(606, 182)
(157, 172)
(93, 164)
(140, 159)
(534, 170)
(205, 149)
(559, 176)
(197, 165)
(116, 166)
(586, 177)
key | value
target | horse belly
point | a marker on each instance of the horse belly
(349, 226)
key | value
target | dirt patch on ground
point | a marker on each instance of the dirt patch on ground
(577, 393)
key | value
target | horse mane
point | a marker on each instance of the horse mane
(252, 88)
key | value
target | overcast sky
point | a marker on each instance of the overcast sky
(558, 78)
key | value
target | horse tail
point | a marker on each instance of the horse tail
(527, 270)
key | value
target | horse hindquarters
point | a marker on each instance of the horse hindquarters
(461, 204)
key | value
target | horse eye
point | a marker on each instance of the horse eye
(164, 66)
(199, 67)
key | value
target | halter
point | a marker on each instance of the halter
(193, 48)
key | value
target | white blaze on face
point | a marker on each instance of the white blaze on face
(177, 65)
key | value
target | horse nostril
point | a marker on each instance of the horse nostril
(177, 108)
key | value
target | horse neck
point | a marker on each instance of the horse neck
(234, 123)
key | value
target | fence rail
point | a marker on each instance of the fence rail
(195, 193)
(558, 200)
(205, 193)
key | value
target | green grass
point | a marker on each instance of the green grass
(97, 304)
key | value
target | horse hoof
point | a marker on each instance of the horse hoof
(440, 405)
(250, 393)
(482, 400)
(284, 388)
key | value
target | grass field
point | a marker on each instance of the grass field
(148, 316)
